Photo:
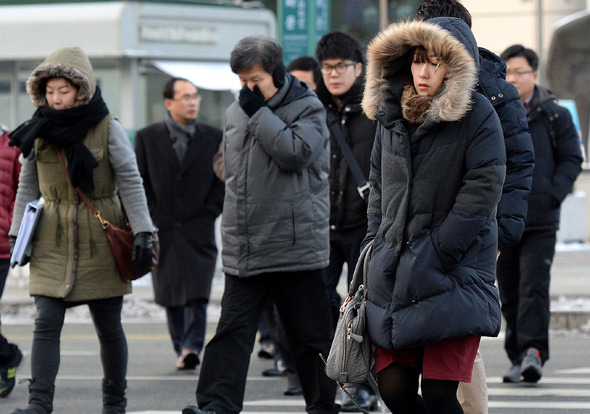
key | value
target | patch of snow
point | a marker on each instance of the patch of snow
(570, 304)
(572, 247)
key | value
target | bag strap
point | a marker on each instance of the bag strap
(94, 210)
(362, 262)
(343, 388)
(355, 169)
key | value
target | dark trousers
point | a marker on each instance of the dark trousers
(266, 327)
(302, 304)
(45, 352)
(187, 325)
(523, 275)
(8, 351)
(345, 247)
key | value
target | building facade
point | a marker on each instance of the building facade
(134, 48)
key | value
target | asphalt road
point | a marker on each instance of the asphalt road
(156, 387)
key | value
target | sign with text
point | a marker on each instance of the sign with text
(302, 23)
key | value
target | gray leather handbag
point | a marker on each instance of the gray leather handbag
(351, 354)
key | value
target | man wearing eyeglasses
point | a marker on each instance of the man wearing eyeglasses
(340, 89)
(523, 271)
(184, 197)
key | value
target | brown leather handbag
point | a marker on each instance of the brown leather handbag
(121, 240)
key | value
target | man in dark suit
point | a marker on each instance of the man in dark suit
(184, 197)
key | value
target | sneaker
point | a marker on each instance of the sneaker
(8, 375)
(191, 409)
(513, 374)
(532, 365)
(362, 395)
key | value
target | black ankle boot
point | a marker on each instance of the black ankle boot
(31, 409)
(40, 398)
(113, 397)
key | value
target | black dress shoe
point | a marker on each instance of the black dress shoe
(191, 409)
(267, 351)
(293, 391)
(274, 372)
(293, 384)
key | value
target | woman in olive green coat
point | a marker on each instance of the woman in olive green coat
(72, 262)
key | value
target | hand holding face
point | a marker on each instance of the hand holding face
(251, 101)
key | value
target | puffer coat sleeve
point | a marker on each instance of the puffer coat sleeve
(292, 147)
(520, 157)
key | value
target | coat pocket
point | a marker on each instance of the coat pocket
(420, 273)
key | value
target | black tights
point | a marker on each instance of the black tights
(398, 386)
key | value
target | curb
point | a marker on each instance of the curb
(570, 321)
(140, 306)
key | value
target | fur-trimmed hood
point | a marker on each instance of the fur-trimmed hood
(70, 63)
(388, 70)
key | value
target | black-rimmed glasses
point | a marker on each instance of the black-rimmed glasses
(340, 68)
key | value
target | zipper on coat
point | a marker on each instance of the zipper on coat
(75, 241)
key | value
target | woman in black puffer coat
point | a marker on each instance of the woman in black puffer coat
(437, 170)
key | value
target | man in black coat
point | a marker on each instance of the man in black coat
(524, 270)
(340, 88)
(175, 159)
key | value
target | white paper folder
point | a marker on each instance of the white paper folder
(24, 241)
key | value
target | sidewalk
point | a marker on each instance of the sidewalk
(570, 293)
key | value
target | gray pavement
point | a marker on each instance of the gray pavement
(570, 294)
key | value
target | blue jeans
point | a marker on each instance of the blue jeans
(187, 325)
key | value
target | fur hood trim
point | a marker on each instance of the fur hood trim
(70, 63)
(388, 71)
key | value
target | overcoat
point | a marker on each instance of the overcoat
(434, 191)
(184, 199)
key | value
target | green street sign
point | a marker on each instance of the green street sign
(301, 24)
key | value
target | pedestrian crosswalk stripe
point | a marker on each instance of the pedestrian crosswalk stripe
(545, 381)
(299, 402)
(538, 392)
(541, 405)
(573, 371)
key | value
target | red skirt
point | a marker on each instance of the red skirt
(448, 360)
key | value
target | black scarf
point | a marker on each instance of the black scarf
(65, 128)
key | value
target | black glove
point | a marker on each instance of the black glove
(26, 259)
(142, 250)
(278, 75)
(251, 101)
